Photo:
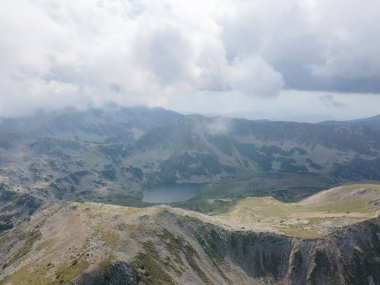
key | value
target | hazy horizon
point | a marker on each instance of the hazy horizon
(233, 115)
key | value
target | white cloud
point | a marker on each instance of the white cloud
(290, 105)
(253, 76)
(62, 53)
(219, 126)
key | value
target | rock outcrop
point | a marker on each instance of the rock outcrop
(117, 273)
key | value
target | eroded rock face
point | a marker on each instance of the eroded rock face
(348, 256)
(260, 255)
(117, 273)
(15, 207)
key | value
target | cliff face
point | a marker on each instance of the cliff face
(118, 273)
(350, 255)
(15, 207)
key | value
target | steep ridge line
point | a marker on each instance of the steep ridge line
(90, 243)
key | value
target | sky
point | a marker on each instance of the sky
(302, 60)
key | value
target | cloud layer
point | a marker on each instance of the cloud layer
(60, 53)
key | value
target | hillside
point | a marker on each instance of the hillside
(90, 243)
(113, 154)
(16, 207)
(313, 217)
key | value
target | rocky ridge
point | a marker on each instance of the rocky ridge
(89, 243)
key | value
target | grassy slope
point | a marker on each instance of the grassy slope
(313, 217)
(287, 187)
(71, 237)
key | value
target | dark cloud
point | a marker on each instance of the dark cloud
(315, 45)
(330, 101)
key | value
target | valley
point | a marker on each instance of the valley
(166, 194)
(156, 197)
(109, 155)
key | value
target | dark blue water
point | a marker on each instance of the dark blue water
(170, 193)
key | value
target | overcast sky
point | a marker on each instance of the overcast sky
(305, 60)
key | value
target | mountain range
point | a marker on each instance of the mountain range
(258, 214)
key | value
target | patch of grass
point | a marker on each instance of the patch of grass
(313, 218)
(33, 274)
(30, 239)
(356, 205)
(66, 272)
(221, 197)
(176, 246)
(173, 244)
(44, 244)
(150, 263)
(109, 237)
(302, 232)
(125, 227)
(27, 275)
(190, 255)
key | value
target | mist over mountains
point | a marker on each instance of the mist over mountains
(121, 134)
(100, 153)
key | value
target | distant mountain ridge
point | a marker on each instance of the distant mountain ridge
(112, 154)
(371, 121)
